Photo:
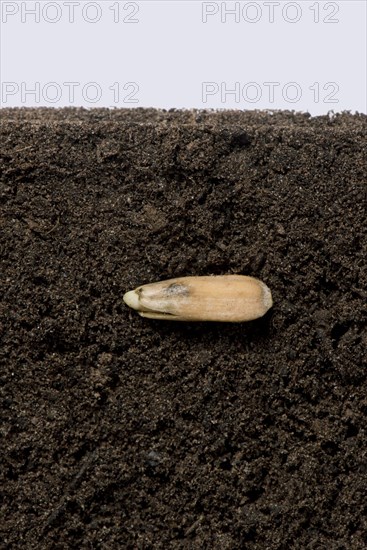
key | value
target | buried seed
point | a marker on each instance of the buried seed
(227, 298)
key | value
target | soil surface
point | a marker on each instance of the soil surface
(118, 432)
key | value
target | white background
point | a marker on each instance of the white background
(302, 55)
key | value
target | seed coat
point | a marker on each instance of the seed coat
(225, 298)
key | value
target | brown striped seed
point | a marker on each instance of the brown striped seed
(228, 298)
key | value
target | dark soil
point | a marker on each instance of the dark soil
(120, 432)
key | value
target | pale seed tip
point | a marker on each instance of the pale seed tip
(267, 297)
(131, 299)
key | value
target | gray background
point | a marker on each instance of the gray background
(306, 56)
